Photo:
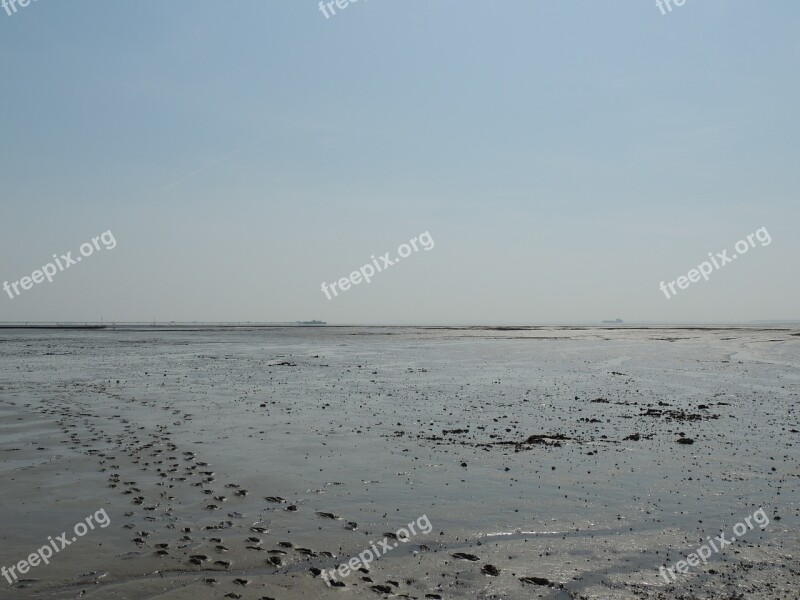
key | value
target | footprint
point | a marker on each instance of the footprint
(328, 515)
(465, 556)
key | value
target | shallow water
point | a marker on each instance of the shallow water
(354, 425)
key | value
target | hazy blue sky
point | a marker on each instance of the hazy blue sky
(566, 157)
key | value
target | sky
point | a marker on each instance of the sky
(564, 157)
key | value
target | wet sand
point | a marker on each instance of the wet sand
(237, 463)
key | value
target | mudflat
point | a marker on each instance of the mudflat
(541, 462)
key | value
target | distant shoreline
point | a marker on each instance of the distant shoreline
(199, 326)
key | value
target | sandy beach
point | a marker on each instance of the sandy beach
(241, 463)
